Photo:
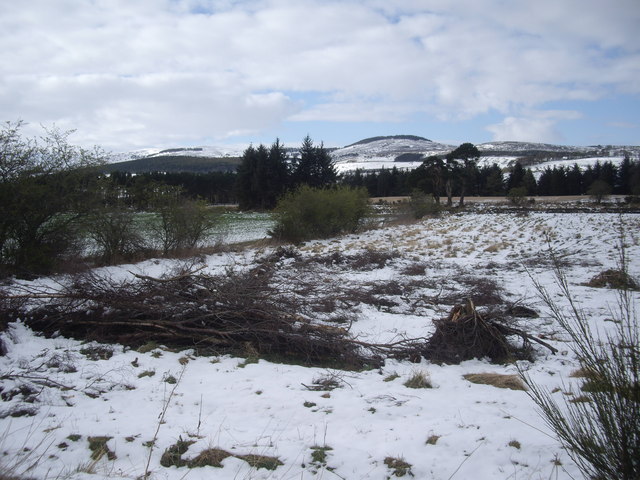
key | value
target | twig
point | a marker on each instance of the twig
(163, 413)
(167, 280)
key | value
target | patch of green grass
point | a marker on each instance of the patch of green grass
(147, 373)
(170, 379)
(74, 437)
(309, 404)
(319, 455)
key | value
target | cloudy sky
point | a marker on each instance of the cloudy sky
(129, 74)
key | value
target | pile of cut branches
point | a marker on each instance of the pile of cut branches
(466, 334)
(237, 313)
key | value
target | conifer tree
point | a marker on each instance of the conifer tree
(315, 166)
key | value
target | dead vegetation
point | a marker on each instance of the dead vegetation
(285, 308)
(498, 380)
(617, 279)
(466, 334)
(213, 314)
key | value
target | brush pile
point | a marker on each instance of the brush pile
(241, 313)
(466, 334)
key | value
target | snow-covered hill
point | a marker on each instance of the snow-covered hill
(202, 151)
(408, 151)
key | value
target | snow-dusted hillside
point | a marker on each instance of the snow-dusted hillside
(202, 151)
(407, 152)
(389, 152)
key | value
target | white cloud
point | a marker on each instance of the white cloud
(132, 73)
(532, 126)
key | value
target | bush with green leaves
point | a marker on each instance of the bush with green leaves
(308, 213)
(602, 432)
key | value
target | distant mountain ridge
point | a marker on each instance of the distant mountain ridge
(374, 153)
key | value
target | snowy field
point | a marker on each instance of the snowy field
(456, 429)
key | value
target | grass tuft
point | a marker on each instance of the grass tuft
(261, 461)
(432, 440)
(399, 466)
(99, 448)
(419, 380)
(211, 457)
(512, 382)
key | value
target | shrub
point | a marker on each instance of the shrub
(309, 213)
(599, 190)
(518, 196)
(46, 187)
(600, 429)
(422, 204)
(115, 234)
(183, 223)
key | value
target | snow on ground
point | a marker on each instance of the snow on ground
(454, 430)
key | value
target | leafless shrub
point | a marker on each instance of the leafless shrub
(600, 429)
(483, 291)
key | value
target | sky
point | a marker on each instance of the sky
(137, 74)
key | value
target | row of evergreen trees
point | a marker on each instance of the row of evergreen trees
(623, 179)
(267, 173)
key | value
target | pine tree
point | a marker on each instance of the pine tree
(315, 166)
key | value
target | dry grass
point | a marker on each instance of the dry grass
(498, 380)
(211, 457)
(432, 440)
(399, 466)
(419, 380)
(617, 279)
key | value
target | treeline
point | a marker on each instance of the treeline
(212, 187)
(266, 173)
(623, 179)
